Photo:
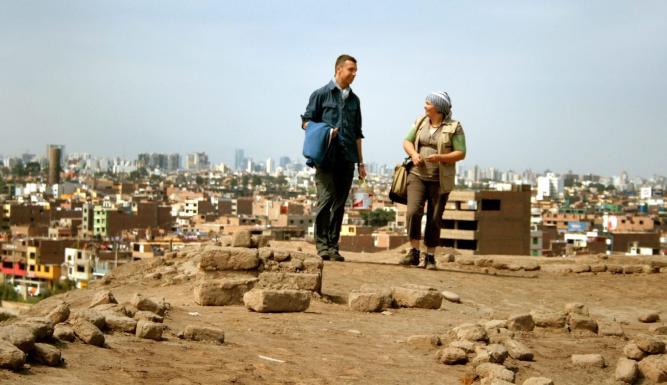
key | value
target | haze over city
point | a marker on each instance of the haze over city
(562, 86)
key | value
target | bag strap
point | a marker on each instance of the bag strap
(418, 131)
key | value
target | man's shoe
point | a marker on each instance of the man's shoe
(411, 258)
(325, 257)
(335, 256)
(429, 262)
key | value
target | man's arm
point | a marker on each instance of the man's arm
(313, 110)
(361, 166)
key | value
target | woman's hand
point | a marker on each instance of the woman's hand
(417, 159)
(434, 158)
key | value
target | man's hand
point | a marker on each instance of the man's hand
(362, 171)
(334, 132)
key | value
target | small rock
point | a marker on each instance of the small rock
(578, 322)
(499, 335)
(423, 341)
(517, 350)
(149, 330)
(626, 370)
(452, 356)
(521, 322)
(120, 323)
(576, 308)
(451, 296)
(649, 344)
(92, 316)
(548, 319)
(654, 368)
(88, 332)
(538, 381)
(415, 296)
(46, 354)
(490, 370)
(11, 357)
(467, 346)
(594, 360)
(102, 297)
(59, 314)
(649, 317)
(148, 316)
(202, 333)
(633, 352)
(658, 329)
(495, 324)
(144, 303)
(64, 332)
(610, 329)
(470, 332)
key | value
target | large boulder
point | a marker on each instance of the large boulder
(276, 301)
(223, 292)
(649, 344)
(41, 328)
(92, 316)
(549, 319)
(626, 370)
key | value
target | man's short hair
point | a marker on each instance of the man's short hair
(343, 58)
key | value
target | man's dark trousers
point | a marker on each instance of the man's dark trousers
(333, 187)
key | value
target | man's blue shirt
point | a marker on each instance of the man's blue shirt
(327, 105)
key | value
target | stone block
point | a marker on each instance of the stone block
(88, 332)
(102, 297)
(120, 323)
(368, 302)
(452, 356)
(578, 323)
(46, 354)
(417, 297)
(521, 322)
(276, 301)
(64, 332)
(228, 258)
(517, 350)
(149, 330)
(589, 360)
(223, 292)
(59, 314)
(204, 333)
(549, 319)
(654, 368)
(626, 370)
(290, 281)
(158, 307)
(242, 238)
(470, 332)
(649, 344)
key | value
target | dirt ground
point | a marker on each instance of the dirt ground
(329, 344)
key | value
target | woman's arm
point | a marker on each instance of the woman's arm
(451, 157)
(409, 148)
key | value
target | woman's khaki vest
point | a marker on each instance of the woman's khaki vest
(447, 171)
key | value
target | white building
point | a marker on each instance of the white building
(79, 265)
(549, 186)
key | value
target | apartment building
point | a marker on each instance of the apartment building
(488, 222)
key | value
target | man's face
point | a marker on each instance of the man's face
(345, 73)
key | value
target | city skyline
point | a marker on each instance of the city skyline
(564, 86)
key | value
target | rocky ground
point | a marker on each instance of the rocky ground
(330, 343)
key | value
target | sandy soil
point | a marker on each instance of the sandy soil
(330, 344)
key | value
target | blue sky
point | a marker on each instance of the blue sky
(564, 85)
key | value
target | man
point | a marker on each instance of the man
(336, 105)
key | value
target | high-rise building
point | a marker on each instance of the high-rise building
(197, 161)
(174, 162)
(269, 166)
(239, 159)
(284, 161)
(55, 156)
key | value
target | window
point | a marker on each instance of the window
(46, 269)
(80, 269)
(490, 204)
(32, 267)
(78, 255)
(534, 240)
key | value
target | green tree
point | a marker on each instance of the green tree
(19, 169)
(33, 168)
(378, 217)
(8, 293)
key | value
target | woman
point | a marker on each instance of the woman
(435, 143)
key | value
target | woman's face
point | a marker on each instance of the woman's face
(430, 109)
